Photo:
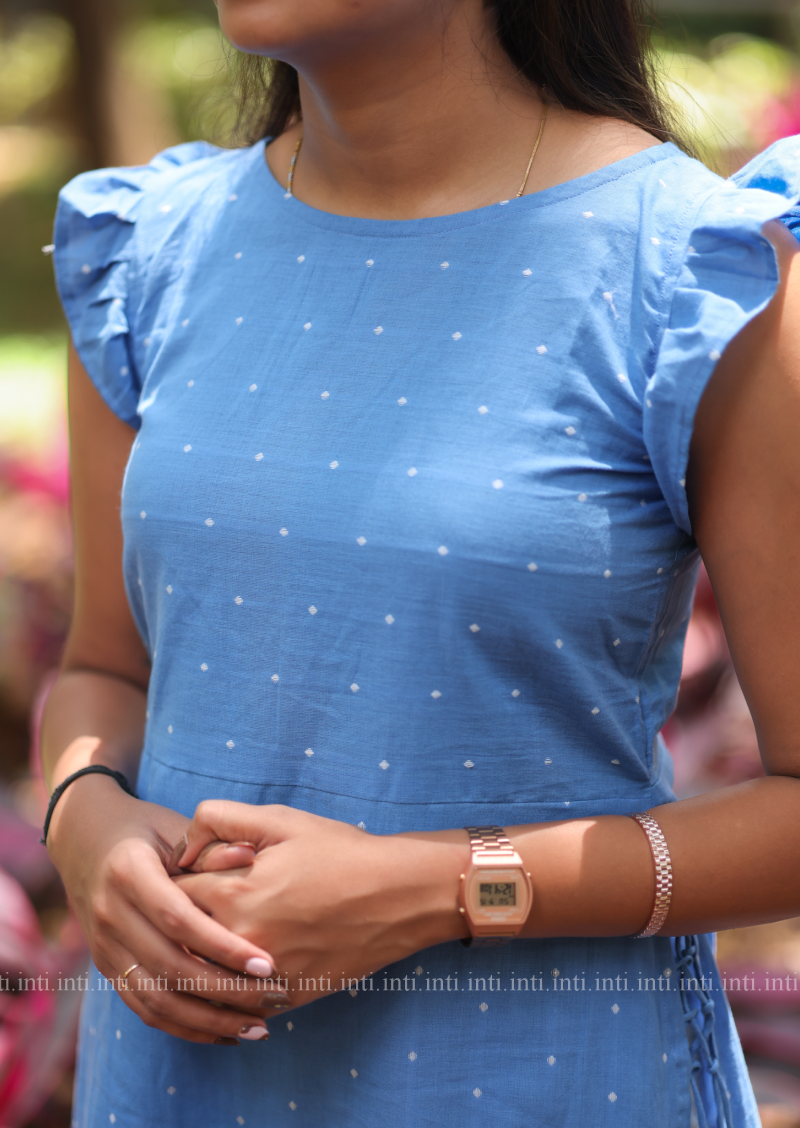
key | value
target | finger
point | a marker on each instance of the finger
(221, 820)
(142, 880)
(158, 1006)
(223, 856)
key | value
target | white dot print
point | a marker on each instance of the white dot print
(370, 262)
(353, 1073)
(238, 601)
(588, 215)
(169, 589)
(527, 273)
(169, 729)
(86, 269)
(203, 666)
(476, 1093)
(284, 531)
(292, 1105)
(581, 497)
(143, 515)
(384, 764)
(533, 567)
(124, 370)
(515, 693)
(378, 330)
(541, 349)
(312, 610)
(333, 465)
(612, 1097)
(324, 395)
(498, 483)
(656, 242)
(456, 336)
(172, 1090)
(240, 1120)
(307, 326)
(621, 377)
(239, 320)
(483, 409)
(229, 744)
(238, 255)
(309, 752)
(468, 764)
(559, 643)
(551, 1060)
(548, 760)
(209, 521)
(474, 628)
(595, 711)
(187, 448)
(615, 762)
(436, 695)
(444, 265)
(616, 642)
(275, 678)
(443, 550)
(714, 355)
(190, 384)
(301, 258)
(361, 540)
(607, 573)
(412, 472)
(412, 1056)
(259, 456)
(402, 401)
(389, 619)
(354, 688)
(483, 1008)
(253, 387)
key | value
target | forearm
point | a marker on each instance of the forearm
(734, 857)
(92, 718)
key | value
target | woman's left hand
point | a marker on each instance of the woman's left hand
(329, 901)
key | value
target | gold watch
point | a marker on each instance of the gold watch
(495, 894)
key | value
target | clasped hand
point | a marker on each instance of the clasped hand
(329, 902)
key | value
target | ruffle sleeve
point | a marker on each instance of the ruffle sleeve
(727, 276)
(96, 269)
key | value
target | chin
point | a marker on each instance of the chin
(289, 29)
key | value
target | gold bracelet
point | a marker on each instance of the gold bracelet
(661, 859)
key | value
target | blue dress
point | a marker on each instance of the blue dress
(407, 540)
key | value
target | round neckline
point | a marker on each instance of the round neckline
(430, 225)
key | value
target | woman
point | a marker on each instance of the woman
(411, 528)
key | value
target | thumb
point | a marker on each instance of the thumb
(242, 827)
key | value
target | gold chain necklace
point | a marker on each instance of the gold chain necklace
(290, 178)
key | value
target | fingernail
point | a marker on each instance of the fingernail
(259, 967)
(274, 1006)
(227, 1042)
(253, 1033)
(178, 852)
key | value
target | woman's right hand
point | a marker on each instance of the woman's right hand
(112, 852)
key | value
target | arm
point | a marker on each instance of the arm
(734, 852)
(111, 849)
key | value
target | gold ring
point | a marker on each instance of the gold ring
(127, 973)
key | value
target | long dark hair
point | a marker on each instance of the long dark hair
(593, 56)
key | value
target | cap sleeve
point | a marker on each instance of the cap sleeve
(728, 275)
(96, 269)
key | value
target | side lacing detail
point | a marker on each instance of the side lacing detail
(709, 1087)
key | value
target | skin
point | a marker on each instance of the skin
(410, 109)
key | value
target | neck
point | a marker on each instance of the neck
(426, 120)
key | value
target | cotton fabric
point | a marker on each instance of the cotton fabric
(407, 539)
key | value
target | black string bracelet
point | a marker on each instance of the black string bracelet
(93, 769)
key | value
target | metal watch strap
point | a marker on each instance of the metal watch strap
(492, 842)
(489, 840)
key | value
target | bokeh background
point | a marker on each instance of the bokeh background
(89, 83)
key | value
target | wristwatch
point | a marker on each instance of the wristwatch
(495, 894)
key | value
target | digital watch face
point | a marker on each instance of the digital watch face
(498, 896)
(492, 893)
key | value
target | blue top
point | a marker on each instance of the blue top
(406, 537)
